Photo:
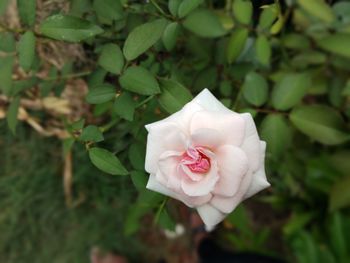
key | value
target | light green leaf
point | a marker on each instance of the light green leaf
(277, 134)
(170, 35)
(263, 50)
(108, 10)
(268, 16)
(320, 123)
(143, 37)
(6, 64)
(339, 197)
(236, 44)
(319, 9)
(140, 80)
(124, 106)
(91, 133)
(290, 90)
(187, 6)
(100, 94)
(204, 23)
(174, 96)
(296, 41)
(26, 50)
(255, 89)
(69, 28)
(336, 43)
(111, 58)
(106, 161)
(11, 115)
(27, 10)
(243, 10)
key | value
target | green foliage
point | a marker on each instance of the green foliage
(135, 62)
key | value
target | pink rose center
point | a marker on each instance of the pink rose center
(196, 160)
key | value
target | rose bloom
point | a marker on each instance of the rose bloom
(206, 156)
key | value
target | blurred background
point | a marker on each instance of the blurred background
(66, 87)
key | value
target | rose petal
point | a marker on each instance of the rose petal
(204, 186)
(168, 170)
(233, 165)
(251, 142)
(208, 102)
(230, 125)
(163, 137)
(207, 138)
(259, 180)
(154, 185)
(210, 215)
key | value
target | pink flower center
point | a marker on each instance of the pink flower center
(196, 160)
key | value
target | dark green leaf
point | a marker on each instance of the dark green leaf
(3, 6)
(124, 106)
(236, 44)
(27, 10)
(290, 90)
(12, 114)
(204, 23)
(320, 123)
(143, 37)
(26, 50)
(106, 161)
(137, 155)
(187, 6)
(174, 96)
(6, 64)
(139, 179)
(170, 35)
(255, 89)
(69, 28)
(165, 221)
(319, 9)
(263, 50)
(108, 10)
(339, 197)
(277, 134)
(111, 58)
(100, 94)
(336, 43)
(173, 6)
(140, 80)
(91, 133)
(7, 42)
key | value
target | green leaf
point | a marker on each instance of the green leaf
(12, 114)
(3, 6)
(320, 123)
(69, 28)
(26, 50)
(170, 35)
(108, 10)
(174, 96)
(204, 23)
(255, 89)
(139, 179)
(337, 43)
(268, 16)
(187, 6)
(27, 10)
(106, 161)
(111, 58)
(339, 196)
(243, 10)
(143, 37)
(263, 50)
(91, 133)
(173, 6)
(277, 134)
(6, 64)
(236, 44)
(290, 90)
(100, 94)
(339, 161)
(137, 155)
(338, 237)
(319, 9)
(7, 42)
(140, 80)
(296, 41)
(297, 222)
(124, 106)
(165, 221)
